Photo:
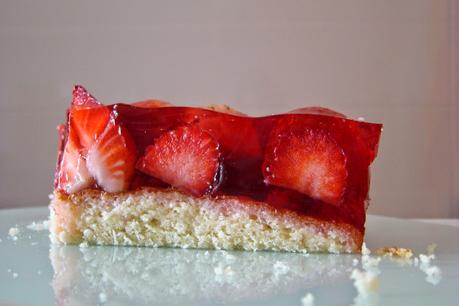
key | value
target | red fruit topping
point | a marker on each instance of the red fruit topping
(73, 174)
(238, 138)
(186, 158)
(111, 159)
(89, 123)
(81, 97)
(151, 104)
(310, 162)
(287, 198)
(368, 137)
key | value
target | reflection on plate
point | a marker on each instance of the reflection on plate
(140, 276)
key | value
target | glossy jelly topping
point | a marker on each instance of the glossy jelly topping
(312, 160)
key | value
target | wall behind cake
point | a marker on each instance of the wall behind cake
(388, 61)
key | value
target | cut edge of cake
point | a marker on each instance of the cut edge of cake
(169, 218)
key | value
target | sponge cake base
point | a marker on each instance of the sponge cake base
(165, 217)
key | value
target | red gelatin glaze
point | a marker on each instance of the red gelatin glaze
(311, 160)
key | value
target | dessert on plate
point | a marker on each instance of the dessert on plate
(153, 174)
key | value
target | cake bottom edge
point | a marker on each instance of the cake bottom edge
(168, 218)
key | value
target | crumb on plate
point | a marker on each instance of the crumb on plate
(395, 252)
(13, 232)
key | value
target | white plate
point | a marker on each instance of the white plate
(33, 272)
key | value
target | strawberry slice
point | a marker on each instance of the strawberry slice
(186, 158)
(73, 174)
(111, 159)
(310, 162)
(88, 117)
(81, 97)
(89, 123)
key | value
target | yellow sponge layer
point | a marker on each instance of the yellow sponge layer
(152, 217)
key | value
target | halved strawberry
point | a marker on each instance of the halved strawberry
(81, 97)
(151, 104)
(88, 117)
(186, 158)
(89, 123)
(111, 159)
(310, 162)
(73, 174)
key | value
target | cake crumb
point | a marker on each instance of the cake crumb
(13, 232)
(39, 226)
(308, 299)
(398, 255)
(395, 252)
(365, 250)
(433, 273)
(425, 259)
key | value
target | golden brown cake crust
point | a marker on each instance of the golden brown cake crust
(166, 217)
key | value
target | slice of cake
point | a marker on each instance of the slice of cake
(152, 174)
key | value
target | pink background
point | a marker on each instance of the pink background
(394, 62)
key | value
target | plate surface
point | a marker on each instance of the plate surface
(34, 272)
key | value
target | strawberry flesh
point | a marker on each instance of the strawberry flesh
(81, 97)
(310, 162)
(73, 174)
(89, 123)
(186, 158)
(111, 159)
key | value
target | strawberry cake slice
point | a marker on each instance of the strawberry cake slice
(154, 174)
